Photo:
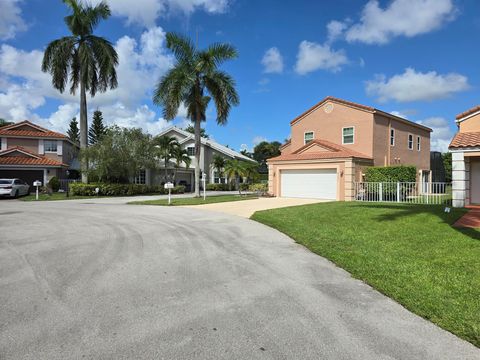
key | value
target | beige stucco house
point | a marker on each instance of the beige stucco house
(465, 149)
(31, 152)
(335, 140)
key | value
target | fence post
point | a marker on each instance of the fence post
(398, 192)
(380, 190)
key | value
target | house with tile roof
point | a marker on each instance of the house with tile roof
(465, 149)
(333, 142)
(31, 152)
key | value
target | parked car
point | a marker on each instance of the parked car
(13, 187)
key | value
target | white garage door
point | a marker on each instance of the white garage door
(475, 182)
(310, 184)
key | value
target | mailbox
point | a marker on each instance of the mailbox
(168, 185)
(37, 183)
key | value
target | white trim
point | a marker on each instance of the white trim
(8, 151)
(40, 147)
(59, 147)
(458, 121)
(408, 142)
(419, 147)
(3, 144)
(465, 149)
(308, 132)
(390, 137)
(343, 136)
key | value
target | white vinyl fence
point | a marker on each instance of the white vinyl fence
(435, 193)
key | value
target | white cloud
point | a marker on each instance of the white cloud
(442, 133)
(416, 86)
(145, 12)
(312, 56)
(399, 114)
(335, 30)
(400, 18)
(11, 21)
(272, 61)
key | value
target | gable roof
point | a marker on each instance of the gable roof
(206, 142)
(333, 151)
(37, 131)
(470, 111)
(357, 106)
(466, 139)
(30, 159)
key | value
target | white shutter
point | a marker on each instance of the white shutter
(3, 144)
(59, 147)
(40, 147)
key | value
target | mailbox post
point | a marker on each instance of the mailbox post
(169, 186)
(204, 180)
(37, 184)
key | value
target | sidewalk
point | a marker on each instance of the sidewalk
(470, 219)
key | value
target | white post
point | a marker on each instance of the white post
(36, 193)
(204, 187)
(381, 191)
(169, 196)
(398, 192)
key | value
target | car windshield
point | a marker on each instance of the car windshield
(5, 182)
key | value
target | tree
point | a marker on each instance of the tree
(246, 153)
(265, 150)
(4, 122)
(235, 169)
(97, 129)
(82, 60)
(447, 164)
(203, 132)
(73, 132)
(166, 146)
(194, 80)
(218, 163)
(120, 155)
(180, 156)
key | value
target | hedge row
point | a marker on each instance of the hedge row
(218, 187)
(391, 174)
(121, 189)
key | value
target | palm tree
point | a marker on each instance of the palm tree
(218, 164)
(234, 169)
(82, 59)
(166, 146)
(194, 81)
(180, 156)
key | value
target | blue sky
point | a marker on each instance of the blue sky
(416, 58)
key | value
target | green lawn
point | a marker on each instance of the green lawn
(409, 252)
(54, 196)
(196, 201)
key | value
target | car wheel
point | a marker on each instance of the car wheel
(16, 194)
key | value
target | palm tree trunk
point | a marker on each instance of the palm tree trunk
(197, 154)
(83, 129)
(166, 171)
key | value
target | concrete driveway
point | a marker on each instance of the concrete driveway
(248, 207)
(108, 281)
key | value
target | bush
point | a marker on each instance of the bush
(258, 187)
(54, 184)
(217, 187)
(391, 174)
(121, 189)
(244, 187)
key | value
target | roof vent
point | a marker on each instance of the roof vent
(328, 108)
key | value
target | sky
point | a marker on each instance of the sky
(413, 58)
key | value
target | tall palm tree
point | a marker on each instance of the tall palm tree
(180, 156)
(218, 164)
(194, 81)
(166, 146)
(235, 169)
(82, 59)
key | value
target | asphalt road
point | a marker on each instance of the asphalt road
(110, 281)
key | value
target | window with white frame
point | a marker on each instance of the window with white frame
(348, 135)
(392, 137)
(140, 178)
(307, 137)
(410, 142)
(418, 143)
(50, 146)
(217, 179)
(191, 150)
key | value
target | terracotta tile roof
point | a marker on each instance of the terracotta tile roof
(468, 112)
(466, 139)
(333, 151)
(30, 159)
(286, 143)
(37, 131)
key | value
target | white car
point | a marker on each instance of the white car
(13, 187)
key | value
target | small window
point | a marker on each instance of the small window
(410, 142)
(191, 151)
(217, 179)
(140, 178)
(418, 143)
(392, 137)
(348, 135)
(50, 146)
(308, 136)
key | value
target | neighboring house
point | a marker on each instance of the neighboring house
(334, 141)
(186, 176)
(465, 149)
(31, 152)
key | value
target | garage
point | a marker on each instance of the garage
(29, 176)
(309, 184)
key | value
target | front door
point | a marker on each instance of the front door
(475, 182)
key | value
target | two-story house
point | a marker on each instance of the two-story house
(31, 152)
(185, 175)
(465, 149)
(335, 140)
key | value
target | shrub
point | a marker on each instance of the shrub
(121, 189)
(258, 187)
(391, 174)
(54, 184)
(244, 187)
(217, 187)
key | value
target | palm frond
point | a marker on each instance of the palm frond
(107, 59)
(181, 46)
(215, 55)
(57, 60)
(221, 87)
